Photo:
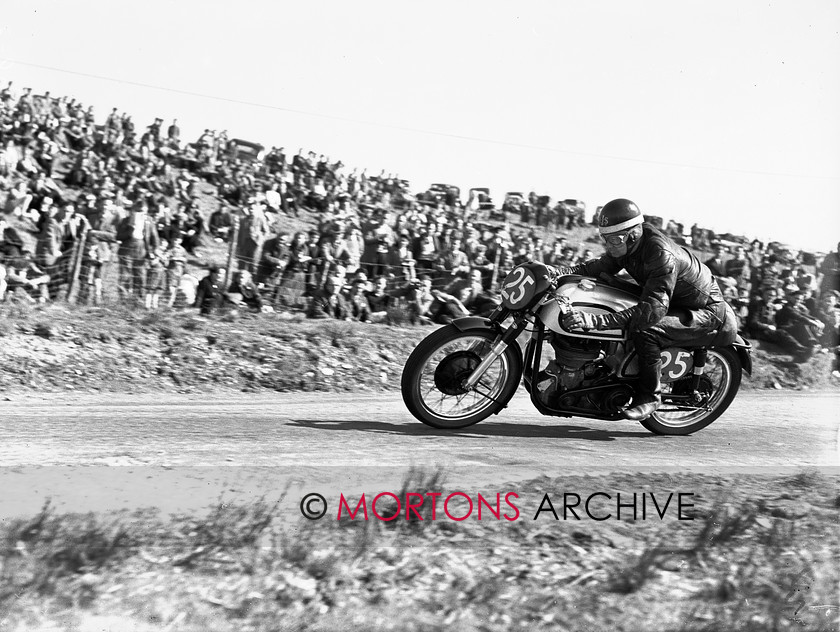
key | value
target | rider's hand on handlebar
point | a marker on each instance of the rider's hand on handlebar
(579, 320)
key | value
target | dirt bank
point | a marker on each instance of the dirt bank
(60, 348)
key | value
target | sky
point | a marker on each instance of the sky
(717, 112)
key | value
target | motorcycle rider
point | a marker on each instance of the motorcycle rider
(680, 301)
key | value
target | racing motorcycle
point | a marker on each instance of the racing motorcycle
(470, 369)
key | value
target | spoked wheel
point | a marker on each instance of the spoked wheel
(433, 379)
(718, 386)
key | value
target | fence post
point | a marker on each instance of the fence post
(495, 276)
(76, 265)
(232, 250)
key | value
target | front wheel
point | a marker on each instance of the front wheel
(718, 386)
(434, 374)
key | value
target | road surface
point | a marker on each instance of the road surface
(179, 453)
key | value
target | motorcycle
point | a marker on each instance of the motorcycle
(469, 369)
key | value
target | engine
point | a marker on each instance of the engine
(575, 362)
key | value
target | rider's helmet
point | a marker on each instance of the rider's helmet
(617, 225)
(618, 215)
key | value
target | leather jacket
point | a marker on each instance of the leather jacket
(670, 276)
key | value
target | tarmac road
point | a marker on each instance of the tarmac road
(183, 452)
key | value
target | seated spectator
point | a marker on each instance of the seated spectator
(328, 302)
(243, 292)
(470, 293)
(794, 319)
(761, 325)
(21, 272)
(18, 200)
(828, 313)
(192, 230)
(357, 302)
(220, 224)
(379, 301)
(11, 243)
(419, 299)
(208, 294)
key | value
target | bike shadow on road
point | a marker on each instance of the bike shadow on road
(490, 429)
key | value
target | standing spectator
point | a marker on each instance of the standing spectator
(138, 238)
(253, 229)
(715, 262)
(273, 261)
(50, 235)
(349, 251)
(427, 247)
(452, 262)
(401, 259)
(176, 264)
(294, 280)
(738, 268)
(830, 270)
(156, 275)
(173, 133)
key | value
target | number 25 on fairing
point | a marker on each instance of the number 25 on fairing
(515, 290)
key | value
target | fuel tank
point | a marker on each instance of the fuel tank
(587, 295)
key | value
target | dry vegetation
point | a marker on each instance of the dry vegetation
(761, 554)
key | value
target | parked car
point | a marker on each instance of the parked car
(245, 150)
(482, 194)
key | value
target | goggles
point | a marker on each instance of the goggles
(616, 239)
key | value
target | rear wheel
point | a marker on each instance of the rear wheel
(434, 375)
(718, 386)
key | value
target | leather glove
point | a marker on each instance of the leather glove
(581, 320)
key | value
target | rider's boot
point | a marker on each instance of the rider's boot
(648, 394)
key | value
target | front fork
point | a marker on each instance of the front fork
(501, 343)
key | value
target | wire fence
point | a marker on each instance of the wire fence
(92, 271)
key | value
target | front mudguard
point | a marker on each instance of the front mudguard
(474, 322)
(477, 322)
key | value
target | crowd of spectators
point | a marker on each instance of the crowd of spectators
(373, 252)
(780, 298)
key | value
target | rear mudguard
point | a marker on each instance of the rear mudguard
(476, 322)
(744, 351)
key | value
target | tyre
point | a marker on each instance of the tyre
(433, 377)
(719, 384)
